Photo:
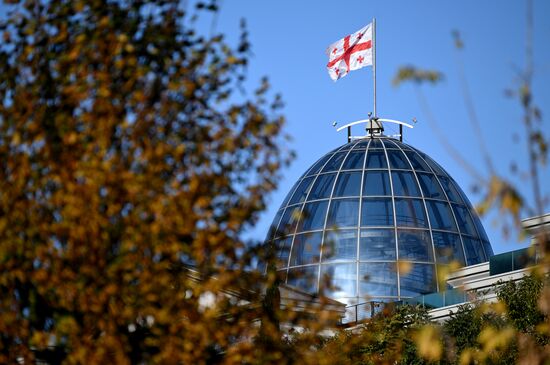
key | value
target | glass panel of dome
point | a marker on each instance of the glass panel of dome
(376, 159)
(348, 184)
(376, 212)
(343, 213)
(480, 230)
(440, 215)
(376, 183)
(417, 162)
(397, 160)
(347, 146)
(430, 186)
(375, 143)
(335, 162)
(283, 250)
(301, 191)
(339, 280)
(306, 249)
(362, 144)
(474, 251)
(304, 278)
(433, 165)
(410, 213)
(273, 227)
(463, 196)
(448, 248)
(404, 184)
(464, 221)
(377, 244)
(487, 248)
(450, 189)
(354, 160)
(322, 187)
(340, 245)
(377, 279)
(288, 222)
(414, 245)
(313, 216)
(420, 279)
(289, 195)
(319, 164)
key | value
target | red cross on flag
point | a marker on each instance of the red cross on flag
(350, 53)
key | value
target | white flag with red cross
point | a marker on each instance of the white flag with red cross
(350, 53)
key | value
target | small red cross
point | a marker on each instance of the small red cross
(360, 59)
(337, 71)
(360, 36)
(334, 50)
(348, 51)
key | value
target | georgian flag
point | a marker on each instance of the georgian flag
(350, 53)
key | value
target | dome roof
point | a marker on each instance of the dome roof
(370, 220)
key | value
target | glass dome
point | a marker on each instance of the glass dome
(371, 221)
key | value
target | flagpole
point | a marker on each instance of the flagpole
(374, 63)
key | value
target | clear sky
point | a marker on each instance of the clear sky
(288, 43)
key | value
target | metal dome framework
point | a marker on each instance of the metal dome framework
(372, 219)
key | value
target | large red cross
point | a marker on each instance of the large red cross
(348, 51)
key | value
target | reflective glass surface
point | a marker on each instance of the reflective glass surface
(362, 207)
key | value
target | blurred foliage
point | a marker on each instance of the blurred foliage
(416, 75)
(127, 156)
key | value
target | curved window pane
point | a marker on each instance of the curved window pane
(434, 165)
(464, 220)
(348, 184)
(306, 249)
(304, 278)
(335, 162)
(376, 183)
(378, 279)
(376, 160)
(273, 228)
(377, 244)
(340, 280)
(362, 144)
(419, 280)
(289, 220)
(397, 160)
(479, 226)
(288, 196)
(375, 143)
(283, 251)
(376, 212)
(313, 216)
(450, 189)
(340, 245)
(354, 161)
(430, 186)
(414, 245)
(417, 162)
(343, 213)
(448, 248)
(488, 249)
(301, 191)
(410, 213)
(322, 187)
(440, 215)
(319, 164)
(474, 251)
(404, 184)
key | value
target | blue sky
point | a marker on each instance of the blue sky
(288, 43)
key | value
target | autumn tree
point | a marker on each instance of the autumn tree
(126, 157)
